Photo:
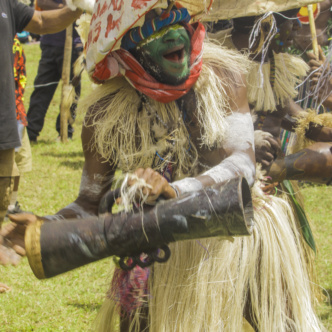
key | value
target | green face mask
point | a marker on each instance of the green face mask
(166, 55)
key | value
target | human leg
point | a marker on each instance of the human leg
(8, 170)
(45, 86)
(23, 160)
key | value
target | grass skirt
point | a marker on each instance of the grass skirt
(209, 285)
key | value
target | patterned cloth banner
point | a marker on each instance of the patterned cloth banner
(111, 19)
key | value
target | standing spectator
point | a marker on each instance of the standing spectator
(49, 74)
(16, 17)
(23, 157)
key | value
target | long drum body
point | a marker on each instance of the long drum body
(224, 210)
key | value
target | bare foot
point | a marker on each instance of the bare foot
(4, 288)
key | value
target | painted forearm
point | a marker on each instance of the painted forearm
(92, 189)
(238, 164)
(311, 164)
(240, 141)
(71, 211)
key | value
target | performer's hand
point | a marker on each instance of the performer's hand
(12, 235)
(267, 149)
(158, 185)
(270, 188)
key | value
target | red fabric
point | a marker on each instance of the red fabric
(101, 72)
(146, 84)
(20, 80)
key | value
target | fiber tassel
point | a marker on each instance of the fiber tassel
(303, 122)
(79, 65)
(129, 289)
(68, 100)
(83, 26)
(288, 72)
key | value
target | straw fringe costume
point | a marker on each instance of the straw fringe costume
(159, 126)
(206, 284)
(271, 84)
(324, 119)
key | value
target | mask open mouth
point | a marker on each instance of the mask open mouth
(175, 54)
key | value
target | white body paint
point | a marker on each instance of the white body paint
(188, 185)
(240, 135)
(240, 139)
(92, 187)
(237, 164)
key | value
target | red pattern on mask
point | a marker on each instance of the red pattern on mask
(148, 85)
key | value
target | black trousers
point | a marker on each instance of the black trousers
(49, 71)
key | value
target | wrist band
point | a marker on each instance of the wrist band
(188, 185)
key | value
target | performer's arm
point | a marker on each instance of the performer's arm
(315, 132)
(238, 147)
(238, 152)
(96, 180)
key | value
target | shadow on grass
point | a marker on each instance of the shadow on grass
(72, 164)
(86, 306)
(64, 154)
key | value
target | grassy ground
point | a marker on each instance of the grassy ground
(70, 302)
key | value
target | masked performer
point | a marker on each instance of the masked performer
(173, 111)
(272, 82)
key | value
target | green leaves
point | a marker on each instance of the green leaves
(305, 226)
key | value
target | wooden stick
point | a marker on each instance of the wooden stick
(313, 30)
(170, 6)
(66, 67)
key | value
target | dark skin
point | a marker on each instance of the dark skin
(272, 120)
(99, 174)
(313, 163)
(285, 116)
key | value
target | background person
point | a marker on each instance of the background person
(23, 157)
(16, 17)
(49, 74)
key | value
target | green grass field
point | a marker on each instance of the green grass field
(70, 302)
